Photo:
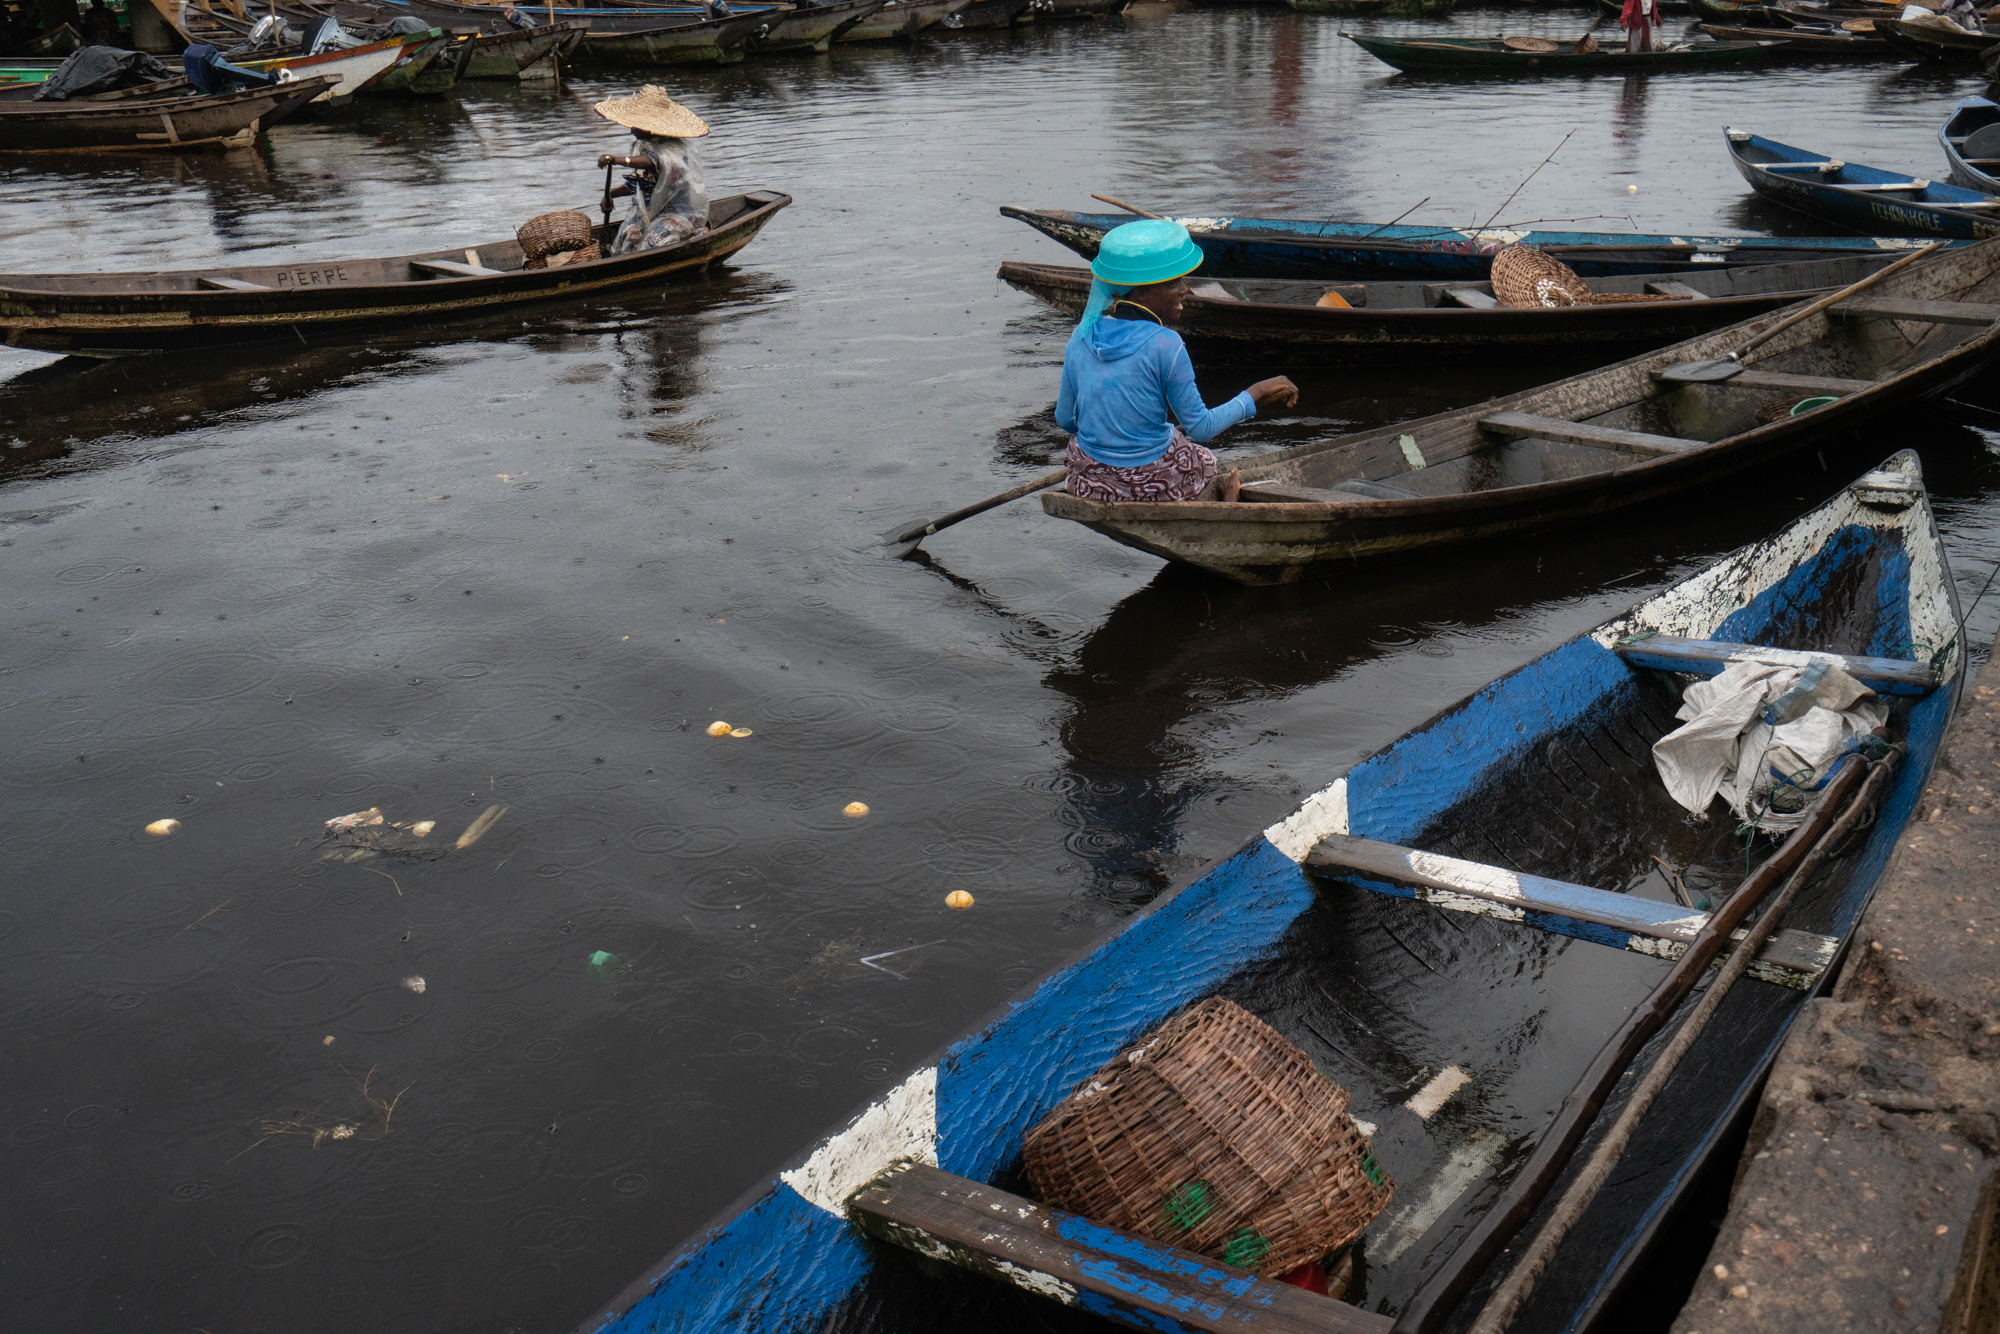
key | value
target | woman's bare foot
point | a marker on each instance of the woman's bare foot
(1231, 486)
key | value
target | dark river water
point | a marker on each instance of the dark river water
(526, 561)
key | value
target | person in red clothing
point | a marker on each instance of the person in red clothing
(1638, 20)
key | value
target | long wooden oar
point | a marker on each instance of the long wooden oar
(905, 540)
(1709, 372)
(1117, 203)
(1501, 1307)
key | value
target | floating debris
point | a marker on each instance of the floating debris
(478, 828)
(357, 820)
(162, 828)
(599, 958)
(854, 810)
(422, 828)
(739, 731)
(718, 728)
(869, 960)
(326, 1041)
(959, 900)
(415, 984)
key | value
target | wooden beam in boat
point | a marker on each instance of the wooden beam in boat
(1471, 298)
(1676, 289)
(1708, 657)
(1137, 1282)
(1927, 312)
(452, 268)
(1623, 921)
(1753, 379)
(1521, 425)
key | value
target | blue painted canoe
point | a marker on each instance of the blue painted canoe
(1971, 144)
(1546, 772)
(1294, 248)
(1864, 198)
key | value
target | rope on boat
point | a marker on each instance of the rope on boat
(1520, 1282)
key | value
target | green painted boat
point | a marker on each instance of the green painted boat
(1489, 55)
(26, 71)
(1388, 9)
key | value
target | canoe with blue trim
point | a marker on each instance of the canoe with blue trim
(1309, 249)
(1237, 321)
(1865, 198)
(1970, 138)
(1489, 55)
(1580, 449)
(1456, 996)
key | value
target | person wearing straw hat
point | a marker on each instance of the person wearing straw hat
(1124, 369)
(669, 203)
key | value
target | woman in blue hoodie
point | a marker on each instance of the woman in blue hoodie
(1124, 369)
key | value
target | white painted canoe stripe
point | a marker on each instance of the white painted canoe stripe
(901, 1127)
(1468, 1163)
(1325, 812)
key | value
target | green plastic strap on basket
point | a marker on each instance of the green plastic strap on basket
(1189, 1205)
(1372, 1169)
(1245, 1249)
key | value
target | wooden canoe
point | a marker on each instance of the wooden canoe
(138, 92)
(700, 42)
(1923, 41)
(812, 27)
(115, 314)
(901, 19)
(1971, 145)
(1242, 322)
(1861, 197)
(1800, 42)
(1578, 449)
(230, 120)
(1398, 982)
(1337, 251)
(1487, 55)
(981, 14)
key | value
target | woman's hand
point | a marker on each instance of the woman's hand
(1278, 389)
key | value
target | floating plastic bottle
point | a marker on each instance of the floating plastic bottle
(1794, 702)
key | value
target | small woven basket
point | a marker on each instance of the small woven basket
(557, 233)
(1535, 45)
(1215, 1134)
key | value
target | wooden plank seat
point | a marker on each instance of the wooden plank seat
(1471, 298)
(1623, 921)
(1676, 289)
(1125, 1278)
(451, 268)
(1523, 426)
(1708, 657)
(231, 285)
(1754, 379)
(1927, 312)
(1340, 493)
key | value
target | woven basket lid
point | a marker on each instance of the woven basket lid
(1525, 277)
(1535, 44)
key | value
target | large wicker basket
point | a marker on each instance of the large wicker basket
(1526, 277)
(568, 233)
(1215, 1134)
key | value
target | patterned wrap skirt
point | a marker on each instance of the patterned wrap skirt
(1178, 474)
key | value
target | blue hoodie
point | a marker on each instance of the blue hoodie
(1120, 377)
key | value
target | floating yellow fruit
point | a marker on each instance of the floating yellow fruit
(718, 729)
(739, 731)
(161, 828)
(958, 899)
(1631, 189)
(856, 809)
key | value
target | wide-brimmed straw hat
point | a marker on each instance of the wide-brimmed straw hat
(651, 110)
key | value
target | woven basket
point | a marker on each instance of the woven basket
(1215, 1134)
(1586, 45)
(1524, 277)
(552, 234)
(1535, 45)
(591, 251)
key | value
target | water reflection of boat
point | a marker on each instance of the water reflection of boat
(1503, 990)
(119, 313)
(1584, 447)
(1236, 321)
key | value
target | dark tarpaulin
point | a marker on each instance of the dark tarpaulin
(100, 69)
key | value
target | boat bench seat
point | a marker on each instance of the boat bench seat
(1751, 379)
(1927, 312)
(1521, 425)
(1135, 1280)
(1471, 298)
(1676, 289)
(1626, 921)
(1708, 657)
(452, 268)
(1340, 493)
(231, 285)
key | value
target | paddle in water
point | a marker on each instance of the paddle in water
(905, 540)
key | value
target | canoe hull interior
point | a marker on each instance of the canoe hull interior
(1545, 771)
(123, 314)
(1465, 486)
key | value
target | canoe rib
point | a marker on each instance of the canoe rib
(1143, 1283)
(1707, 657)
(1526, 426)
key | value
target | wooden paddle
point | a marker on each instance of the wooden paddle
(1115, 203)
(906, 540)
(1710, 372)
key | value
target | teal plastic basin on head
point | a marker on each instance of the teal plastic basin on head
(1140, 254)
